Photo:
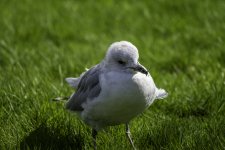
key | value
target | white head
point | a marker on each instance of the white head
(124, 56)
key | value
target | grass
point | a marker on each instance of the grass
(180, 42)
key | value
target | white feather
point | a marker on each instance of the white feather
(161, 94)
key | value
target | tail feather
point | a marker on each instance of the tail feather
(58, 99)
(161, 94)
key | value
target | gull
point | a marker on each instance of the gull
(114, 91)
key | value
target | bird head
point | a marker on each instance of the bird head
(123, 56)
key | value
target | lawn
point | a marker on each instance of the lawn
(181, 42)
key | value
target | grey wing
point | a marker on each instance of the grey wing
(88, 88)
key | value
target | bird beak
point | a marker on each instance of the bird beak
(139, 68)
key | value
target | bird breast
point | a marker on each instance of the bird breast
(123, 96)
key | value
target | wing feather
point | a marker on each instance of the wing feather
(88, 88)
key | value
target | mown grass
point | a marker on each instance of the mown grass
(180, 42)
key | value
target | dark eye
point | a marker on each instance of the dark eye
(121, 62)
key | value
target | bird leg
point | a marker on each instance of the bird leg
(94, 134)
(129, 136)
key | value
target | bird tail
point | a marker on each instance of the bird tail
(59, 99)
(161, 94)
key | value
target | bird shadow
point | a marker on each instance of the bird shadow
(45, 137)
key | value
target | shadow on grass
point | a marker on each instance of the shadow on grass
(45, 137)
(161, 137)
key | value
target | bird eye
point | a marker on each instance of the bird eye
(121, 62)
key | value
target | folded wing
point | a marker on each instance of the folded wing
(88, 87)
